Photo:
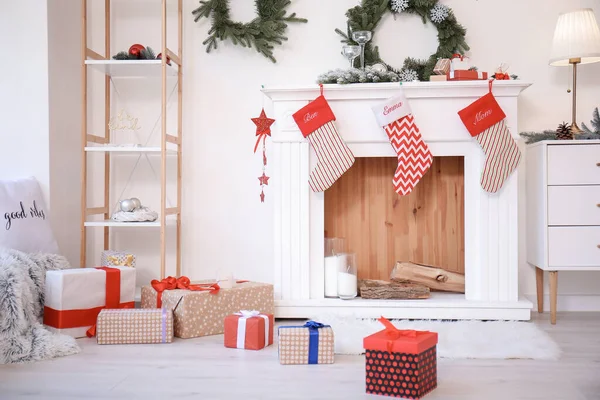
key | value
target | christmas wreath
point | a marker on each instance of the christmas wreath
(451, 35)
(263, 32)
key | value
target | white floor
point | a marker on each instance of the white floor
(203, 369)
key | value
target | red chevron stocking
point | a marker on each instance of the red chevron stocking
(484, 119)
(414, 157)
(334, 158)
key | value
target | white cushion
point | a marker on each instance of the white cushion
(25, 217)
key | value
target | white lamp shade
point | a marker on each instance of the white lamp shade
(576, 36)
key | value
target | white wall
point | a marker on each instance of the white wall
(39, 107)
(24, 141)
(226, 226)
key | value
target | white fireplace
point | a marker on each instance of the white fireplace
(491, 220)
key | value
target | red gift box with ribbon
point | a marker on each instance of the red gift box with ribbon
(400, 363)
(75, 297)
(249, 330)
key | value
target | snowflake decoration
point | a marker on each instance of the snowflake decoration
(439, 12)
(408, 75)
(398, 5)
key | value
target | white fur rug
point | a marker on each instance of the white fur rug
(456, 339)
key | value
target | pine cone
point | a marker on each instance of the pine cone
(563, 132)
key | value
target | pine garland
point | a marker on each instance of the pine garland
(262, 33)
(366, 17)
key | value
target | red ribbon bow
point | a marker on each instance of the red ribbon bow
(183, 282)
(394, 333)
(457, 55)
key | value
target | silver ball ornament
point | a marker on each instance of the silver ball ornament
(127, 205)
(379, 68)
(136, 203)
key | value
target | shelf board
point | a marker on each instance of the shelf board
(111, 223)
(131, 68)
(128, 149)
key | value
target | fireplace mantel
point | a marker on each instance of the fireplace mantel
(491, 220)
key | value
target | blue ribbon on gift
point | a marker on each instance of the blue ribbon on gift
(164, 325)
(313, 339)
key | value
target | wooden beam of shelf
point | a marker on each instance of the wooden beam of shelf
(172, 211)
(174, 57)
(96, 210)
(93, 55)
(97, 139)
(173, 139)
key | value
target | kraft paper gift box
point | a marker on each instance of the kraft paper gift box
(135, 326)
(112, 258)
(465, 75)
(400, 363)
(202, 313)
(438, 78)
(442, 66)
(312, 343)
(75, 297)
(249, 330)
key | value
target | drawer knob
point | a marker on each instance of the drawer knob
(598, 164)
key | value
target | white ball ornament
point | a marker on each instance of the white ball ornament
(379, 68)
(136, 203)
(127, 205)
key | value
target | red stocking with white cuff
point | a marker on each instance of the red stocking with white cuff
(414, 156)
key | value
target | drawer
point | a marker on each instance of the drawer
(574, 205)
(576, 164)
(574, 246)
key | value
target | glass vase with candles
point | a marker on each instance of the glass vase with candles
(334, 261)
(347, 279)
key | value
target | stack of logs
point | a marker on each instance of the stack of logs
(412, 281)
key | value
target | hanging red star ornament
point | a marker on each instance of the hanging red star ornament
(263, 129)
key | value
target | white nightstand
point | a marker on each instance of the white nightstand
(563, 210)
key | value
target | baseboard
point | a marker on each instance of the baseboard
(570, 302)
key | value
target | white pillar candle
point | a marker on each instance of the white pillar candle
(332, 267)
(346, 285)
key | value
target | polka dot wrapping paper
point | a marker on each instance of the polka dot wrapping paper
(201, 313)
(135, 326)
(295, 345)
(400, 363)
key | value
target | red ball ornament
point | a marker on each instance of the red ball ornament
(136, 49)
(159, 57)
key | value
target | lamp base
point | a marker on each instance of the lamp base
(575, 129)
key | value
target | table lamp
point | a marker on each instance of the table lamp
(576, 41)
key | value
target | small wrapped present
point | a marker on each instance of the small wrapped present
(438, 78)
(458, 61)
(248, 330)
(469, 75)
(205, 305)
(75, 297)
(442, 66)
(400, 363)
(135, 326)
(112, 258)
(312, 343)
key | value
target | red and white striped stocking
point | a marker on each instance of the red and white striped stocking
(334, 158)
(485, 120)
(414, 157)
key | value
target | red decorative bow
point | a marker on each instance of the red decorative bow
(457, 55)
(171, 283)
(394, 333)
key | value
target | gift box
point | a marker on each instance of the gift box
(75, 297)
(442, 66)
(467, 75)
(312, 343)
(249, 330)
(400, 363)
(135, 326)
(438, 78)
(458, 61)
(203, 312)
(112, 258)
